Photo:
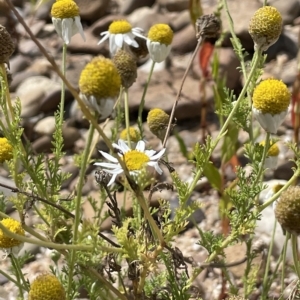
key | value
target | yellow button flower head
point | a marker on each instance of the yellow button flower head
(119, 33)
(271, 99)
(126, 66)
(7, 46)
(99, 85)
(272, 155)
(135, 160)
(158, 121)
(8, 244)
(46, 287)
(265, 27)
(66, 19)
(5, 150)
(133, 134)
(287, 210)
(159, 41)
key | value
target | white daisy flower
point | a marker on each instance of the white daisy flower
(159, 41)
(66, 19)
(135, 160)
(271, 99)
(120, 33)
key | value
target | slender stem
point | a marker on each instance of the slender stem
(18, 277)
(127, 121)
(11, 279)
(212, 256)
(295, 254)
(83, 166)
(262, 163)
(63, 86)
(7, 94)
(142, 103)
(265, 280)
(45, 244)
(275, 196)
(287, 237)
(179, 91)
(18, 270)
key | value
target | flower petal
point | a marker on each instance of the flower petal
(128, 39)
(158, 155)
(109, 157)
(140, 146)
(106, 36)
(79, 26)
(119, 39)
(106, 165)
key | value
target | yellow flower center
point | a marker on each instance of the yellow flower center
(135, 160)
(64, 9)
(46, 287)
(266, 22)
(120, 26)
(5, 150)
(15, 227)
(100, 78)
(161, 33)
(273, 150)
(271, 96)
(133, 134)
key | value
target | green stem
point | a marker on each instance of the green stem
(127, 121)
(287, 237)
(19, 274)
(142, 103)
(63, 86)
(45, 244)
(266, 275)
(7, 94)
(224, 128)
(212, 256)
(275, 196)
(295, 254)
(83, 166)
(11, 279)
(262, 163)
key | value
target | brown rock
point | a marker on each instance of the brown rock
(42, 144)
(77, 45)
(92, 10)
(174, 5)
(128, 6)
(184, 40)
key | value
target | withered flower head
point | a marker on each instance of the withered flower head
(7, 46)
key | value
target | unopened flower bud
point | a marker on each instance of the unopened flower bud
(287, 210)
(6, 45)
(207, 26)
(158, 122)
(126, 66)
(265, 27)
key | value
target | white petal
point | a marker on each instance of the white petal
(123, 146)
(112, 180)
(150, 153)
(79, 26)
(128, 39)
(140, 146)
(158, 155)
(67, 30)
(106, 36)
(109, 157)
(155, 166)
(268, 122)
(119, 39)
(106, 165)
(112, 44)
